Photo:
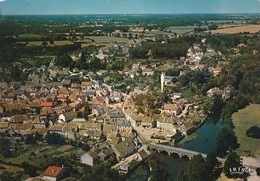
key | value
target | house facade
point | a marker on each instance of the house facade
(90, 158)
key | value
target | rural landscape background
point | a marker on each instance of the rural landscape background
(129, 90)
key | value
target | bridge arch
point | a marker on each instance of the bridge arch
(175, 155)
(163, 152)
(182, 153)
(185, 157)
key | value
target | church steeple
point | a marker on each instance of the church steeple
(162, 81)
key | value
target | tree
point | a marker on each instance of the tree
(5, 147)
(253, 132)
(184, 80)
(182, 175)
(211, 160)
(16, 73)
(85, 147)
(51, 42)
(198, 77)
(172, 72)
(233, 161)
(150, 103)
(44, 43)
(64, 60)
(158, 173)
(196, 171)
(29, 169)
(29, 139)
(82, 57)
(55, 138)
(212, 26)
(225, 140)
(33, 138)
(217, 104)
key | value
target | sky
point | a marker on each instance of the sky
(31, 7)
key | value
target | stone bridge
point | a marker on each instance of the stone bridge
(181, 152)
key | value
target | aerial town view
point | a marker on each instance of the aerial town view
(129, 90)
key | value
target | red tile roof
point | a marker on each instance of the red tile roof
(62, 96)
(91, 73)
(46, 104)
(86, 83)
(52, 171)
(171, 107)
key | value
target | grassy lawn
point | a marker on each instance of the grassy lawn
(188, 94)
(244, 119)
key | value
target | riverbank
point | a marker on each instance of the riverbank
(209, 129)
(193, 135)
(204, 138)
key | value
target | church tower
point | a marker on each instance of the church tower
(162, 82)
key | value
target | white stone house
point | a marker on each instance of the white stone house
(90, 158)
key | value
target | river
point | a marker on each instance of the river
(205, 137)
(202, 141)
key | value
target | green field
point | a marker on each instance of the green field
(56, 43)
(244, 119)
(29, 36)
(181, 29)
(103, 39)
(188, 94)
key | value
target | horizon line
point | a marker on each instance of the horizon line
(213, 13)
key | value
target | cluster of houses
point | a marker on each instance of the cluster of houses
(52, 102)
(174, 116)
(228, 92)
(195, 55)
(75, 105)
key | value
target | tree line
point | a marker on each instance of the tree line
(159, 50)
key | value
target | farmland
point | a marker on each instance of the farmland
(29, 36)
(104, 39)
(244, 119)
(236, 30)
(187, 29)
(56, 43)
(182, 29)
